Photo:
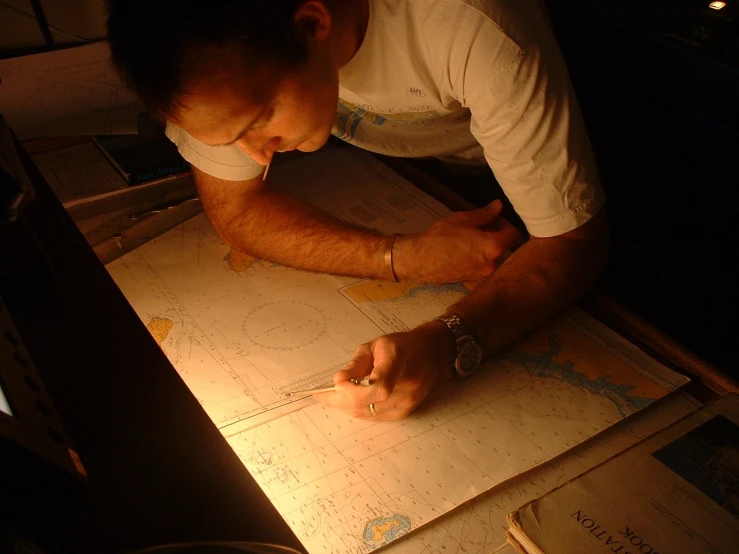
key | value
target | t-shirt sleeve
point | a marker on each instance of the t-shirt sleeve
(525, 115)
(224, 162)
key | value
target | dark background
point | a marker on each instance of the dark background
(658, 85)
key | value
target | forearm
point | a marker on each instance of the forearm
(284, 229)
(262, 222)
(255, 219)
(538, 280)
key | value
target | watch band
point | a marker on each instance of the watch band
(468, 354)
(455, 325)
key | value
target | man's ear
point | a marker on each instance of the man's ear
(312, 21)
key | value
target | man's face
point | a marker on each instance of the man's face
(262, 110)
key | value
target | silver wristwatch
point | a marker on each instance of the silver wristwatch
(468, 354)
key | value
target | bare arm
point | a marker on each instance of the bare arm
(539, 279)
(252, 217)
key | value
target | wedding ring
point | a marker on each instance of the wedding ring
(372, 409)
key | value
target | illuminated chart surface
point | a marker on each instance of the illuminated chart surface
(242, 332)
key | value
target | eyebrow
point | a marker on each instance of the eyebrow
(246, 128)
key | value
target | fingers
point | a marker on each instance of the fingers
(374, 361)
(403, 367)
(377, 361)
(503, 237)
(385, 368)
(382, 411)
(479, 217)
(507, 236)
(472, 285)
(359, 367)
(405, 399)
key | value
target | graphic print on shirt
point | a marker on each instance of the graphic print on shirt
(349, 116)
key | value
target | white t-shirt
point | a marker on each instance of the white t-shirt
(467, 81)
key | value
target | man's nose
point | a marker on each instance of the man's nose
(261, 151)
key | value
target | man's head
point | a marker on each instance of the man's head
(258, 73)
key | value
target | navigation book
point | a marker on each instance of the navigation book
(676, 491)
(140, 159)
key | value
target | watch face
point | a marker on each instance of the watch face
(468, 359)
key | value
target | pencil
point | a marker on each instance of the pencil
(363, 383)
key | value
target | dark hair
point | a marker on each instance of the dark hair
(152, 41)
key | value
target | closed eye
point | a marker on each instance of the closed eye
(266, 120)
(261, 121)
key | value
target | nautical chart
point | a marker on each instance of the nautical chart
(242, 332)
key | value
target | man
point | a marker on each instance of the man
(467, 81)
